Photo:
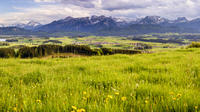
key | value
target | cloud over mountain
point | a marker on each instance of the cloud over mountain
(45, 11)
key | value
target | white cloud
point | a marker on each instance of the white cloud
(50, 10)
(45, 0)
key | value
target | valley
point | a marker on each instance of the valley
(162, 81)
(99, 56)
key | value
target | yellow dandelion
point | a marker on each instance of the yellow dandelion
(84, 92)
(15, 109)
(174, 99)
(74, 107)
(81, 110)
(146, 101)
(196, 107)
(110, 96)
(179, 95)
(73, 111)
(123, 98)
(39, 101)
(106, 100)
(116, 93)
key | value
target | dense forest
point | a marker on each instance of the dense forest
(45, 50)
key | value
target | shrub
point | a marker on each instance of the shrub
(4, 44)
(7, 53)
(194, 45)
(107, 51)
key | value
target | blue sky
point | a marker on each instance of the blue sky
(45, 11)
(7, 6)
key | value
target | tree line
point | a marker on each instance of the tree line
(45, 50)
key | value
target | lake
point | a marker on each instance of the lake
(2, 40)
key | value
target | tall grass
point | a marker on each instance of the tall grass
(167, 81)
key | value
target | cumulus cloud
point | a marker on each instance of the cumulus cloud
(50, 10)
(45, 1)
(82, 3)
(43, 14)
(167, 8)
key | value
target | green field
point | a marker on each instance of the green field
(166, 81)
(92, 41)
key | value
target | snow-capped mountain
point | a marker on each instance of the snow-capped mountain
(153, 20)
(102, 25)
(2, 25)
(83, 24)
(180, 20)
(29, 26)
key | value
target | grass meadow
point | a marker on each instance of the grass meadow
(160, 82)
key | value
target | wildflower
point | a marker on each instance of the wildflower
(174, 99)
(116, 93)
(81, 110)
(179, 95)
(171, 93)
(73, 111)
(146, 101)
(137, 85)
(196, 107)
(15, 109)
(106, 100)
(39, 101)
(84, 92)
(74, 107)
(110, 96)
(123, 98)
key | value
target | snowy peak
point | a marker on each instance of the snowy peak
(29, 25)
(153, 20)
(2, 25)
(33, 23)
(181, 20)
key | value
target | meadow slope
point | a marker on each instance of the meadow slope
(165, 81)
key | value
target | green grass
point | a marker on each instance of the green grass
(108, 42)
(164, 81)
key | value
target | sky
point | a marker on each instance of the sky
(45, 11)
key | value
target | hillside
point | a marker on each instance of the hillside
(103, 83)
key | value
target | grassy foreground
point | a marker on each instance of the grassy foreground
(166, 81)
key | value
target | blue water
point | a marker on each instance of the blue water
(2, 40)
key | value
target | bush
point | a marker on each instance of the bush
(4, 44)
(7, 53)
(141, 46)
(107, 51)
(194, 45)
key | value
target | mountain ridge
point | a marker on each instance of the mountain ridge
(109, 26)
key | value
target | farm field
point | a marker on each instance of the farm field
(96, 41)
(167, 81)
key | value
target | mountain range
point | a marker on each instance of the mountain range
(29, 26)
(104, 26)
